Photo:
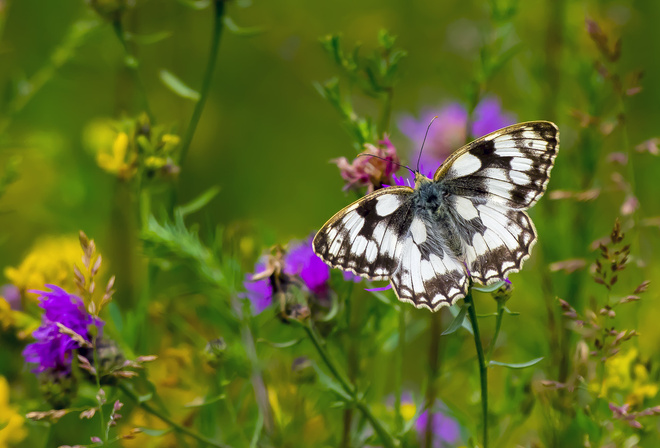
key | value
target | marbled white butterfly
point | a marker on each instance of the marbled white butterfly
(468, 221)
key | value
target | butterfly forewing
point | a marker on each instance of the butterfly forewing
(364, 237)
(511, 166)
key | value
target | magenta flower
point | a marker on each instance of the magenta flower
(446, 431)
(448, 132)
(53, 349)
(300, 261)
(303, 262)
(370, 172)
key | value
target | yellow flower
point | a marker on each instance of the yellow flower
(6, 316)
(626, 374)
(14, 431)
(112, 147)
(50, 260)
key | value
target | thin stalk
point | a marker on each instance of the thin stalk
(132, 63)
(230, 406)
(483, 369)
(385, 437)
(97, 376)
(386, 113)
(352, 348)
(398, 368)
(434, 368)
(219, 10)
(498, 325)
(159, 414)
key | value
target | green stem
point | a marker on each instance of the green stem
(159, 414)
(434, 369)
(206, 82)
(386, 113)
(483, 369)
(318, 345)
(132, 63)
(105, 430)
(398, 369)
(498, 325)
(230, 406)
(385, 437)
(62, 54)
(352, 349)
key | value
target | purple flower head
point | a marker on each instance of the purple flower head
(12, 295)
(370, 172)
(350, 277)
(445, 135)
(448, 132)
(489, 117)
(258, 292)
(300, 261)
(54, 349)
(446, 431)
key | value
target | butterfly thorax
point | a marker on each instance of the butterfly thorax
(431, 203)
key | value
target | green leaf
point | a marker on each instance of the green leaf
(489, 288)
(455, 311)
(242, 31)
(457, 322)
(521, 365)
(177, 86)
(196, 4)
(205, 402)
(331, 384)
(147, 39)
(156, 432)
(115, 316)
(285, 344)
(199, 202)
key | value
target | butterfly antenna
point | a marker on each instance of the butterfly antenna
(390, 161)
(424, 141)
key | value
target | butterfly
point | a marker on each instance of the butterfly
(467, 223)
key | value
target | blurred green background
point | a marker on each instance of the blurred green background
(266, 134)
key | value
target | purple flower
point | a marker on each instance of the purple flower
(53, 349)
(300, 261)
(448, 132)
(489, 117)
(446, 432)
(258, 292)
(370, 172)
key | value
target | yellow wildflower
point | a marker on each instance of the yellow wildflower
(6, 316)
(11, 421)
(626, 374)
(50, 260)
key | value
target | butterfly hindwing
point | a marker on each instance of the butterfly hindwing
(428, 274)
(364, 237)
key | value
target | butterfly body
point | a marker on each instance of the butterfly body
(469, 221)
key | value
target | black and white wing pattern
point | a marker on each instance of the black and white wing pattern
(469, 221)
(492, 181)
(382, 236)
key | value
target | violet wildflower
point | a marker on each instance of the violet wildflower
(54, 349)
(303, 262)
(370, 172)
(446, 431)
(448, 132)
(300, 262)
